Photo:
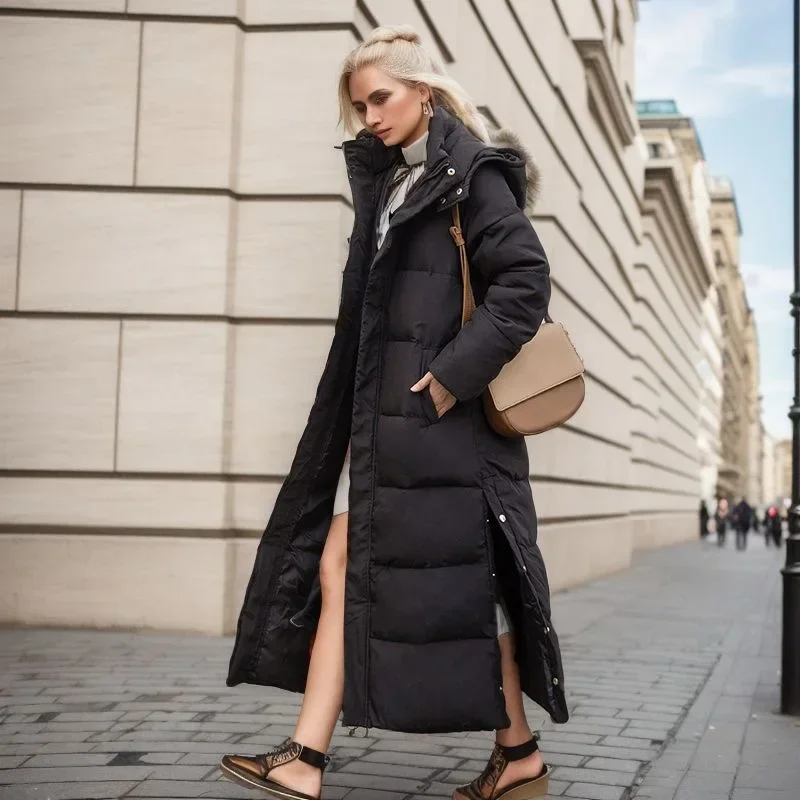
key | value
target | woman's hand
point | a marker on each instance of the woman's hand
(442, 399)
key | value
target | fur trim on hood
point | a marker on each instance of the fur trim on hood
(506, 138)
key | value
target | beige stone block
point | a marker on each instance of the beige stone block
(586, 282)
(277, 371)
(241, 554)
(263, 12)
(664, 313)
(581, 18)
(447, 20)
(124, 253)
(9, 237)
(69, 5)
(556, 501)
(663, 530)
(113, 582)
(171, 396)
(67, 99)
(159, 505)
(569, 454)
(544, 29)
(252, 503)
(200, 8)
(287, 146)
(57, 393)
(290, 258)
(186, 112)
(577, 552)
(603, 413)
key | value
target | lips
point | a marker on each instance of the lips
(382, 133)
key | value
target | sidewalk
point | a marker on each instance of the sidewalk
(672, 678)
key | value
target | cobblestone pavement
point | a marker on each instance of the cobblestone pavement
(672, 677)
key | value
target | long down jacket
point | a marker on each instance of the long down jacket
(441, 512)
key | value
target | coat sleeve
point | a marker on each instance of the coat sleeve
(504, 248)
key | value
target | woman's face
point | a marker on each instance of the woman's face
(388, 107)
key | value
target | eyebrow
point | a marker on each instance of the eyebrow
(372, 96)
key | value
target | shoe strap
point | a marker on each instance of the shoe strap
(520, 751)
(313, 757)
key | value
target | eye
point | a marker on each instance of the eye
(381, 99)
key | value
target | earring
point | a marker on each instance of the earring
(427, 109)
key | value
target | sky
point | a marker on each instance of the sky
(728, 64)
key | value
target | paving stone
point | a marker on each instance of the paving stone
(772, 778)
(619, 764)
(601, 776)
(215, 789)
(70, 760)
(69, 774)
(594, 791)
(720, 782)
(99, 790)
(361, 767)
(662, 679)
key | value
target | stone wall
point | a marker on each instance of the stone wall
(173, 223)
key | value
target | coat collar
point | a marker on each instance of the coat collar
(453, 155)
(368, 152)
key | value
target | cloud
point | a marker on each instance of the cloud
(760, 279)
(771, 80)
(682, 52)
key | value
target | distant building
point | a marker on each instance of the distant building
(673, 143)
(783, 468)
(742, 457)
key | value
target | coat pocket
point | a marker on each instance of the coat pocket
(429, 407)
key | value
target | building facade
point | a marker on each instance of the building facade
(173, 223)
(740, 473)
(673, 143)
(783, 469)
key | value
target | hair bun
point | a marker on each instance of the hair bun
(393, 33)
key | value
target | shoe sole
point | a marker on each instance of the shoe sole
(528, 790)
(253, 783)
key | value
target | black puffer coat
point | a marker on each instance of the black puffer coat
(437, 506)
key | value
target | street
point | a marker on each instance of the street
(672, 672)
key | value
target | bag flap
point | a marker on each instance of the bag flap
(547, 360)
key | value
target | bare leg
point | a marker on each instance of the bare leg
(519, 731)
(322, 701)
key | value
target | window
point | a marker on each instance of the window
(655, 150)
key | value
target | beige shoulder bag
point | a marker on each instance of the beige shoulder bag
(542, 386)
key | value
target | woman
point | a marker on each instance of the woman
(393, 599)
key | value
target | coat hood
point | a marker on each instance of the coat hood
(506, 139)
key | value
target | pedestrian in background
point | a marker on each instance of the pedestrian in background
(704, 517)
(773, 526)
(742, 522)
(415, 597)
(721, 520)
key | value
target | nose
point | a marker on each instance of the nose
(372, 118)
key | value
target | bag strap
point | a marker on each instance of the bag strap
(468, 299)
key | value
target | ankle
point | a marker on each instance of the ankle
(513, 737)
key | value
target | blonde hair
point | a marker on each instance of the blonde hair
(397, 51)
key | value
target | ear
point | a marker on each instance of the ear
(424, 92)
